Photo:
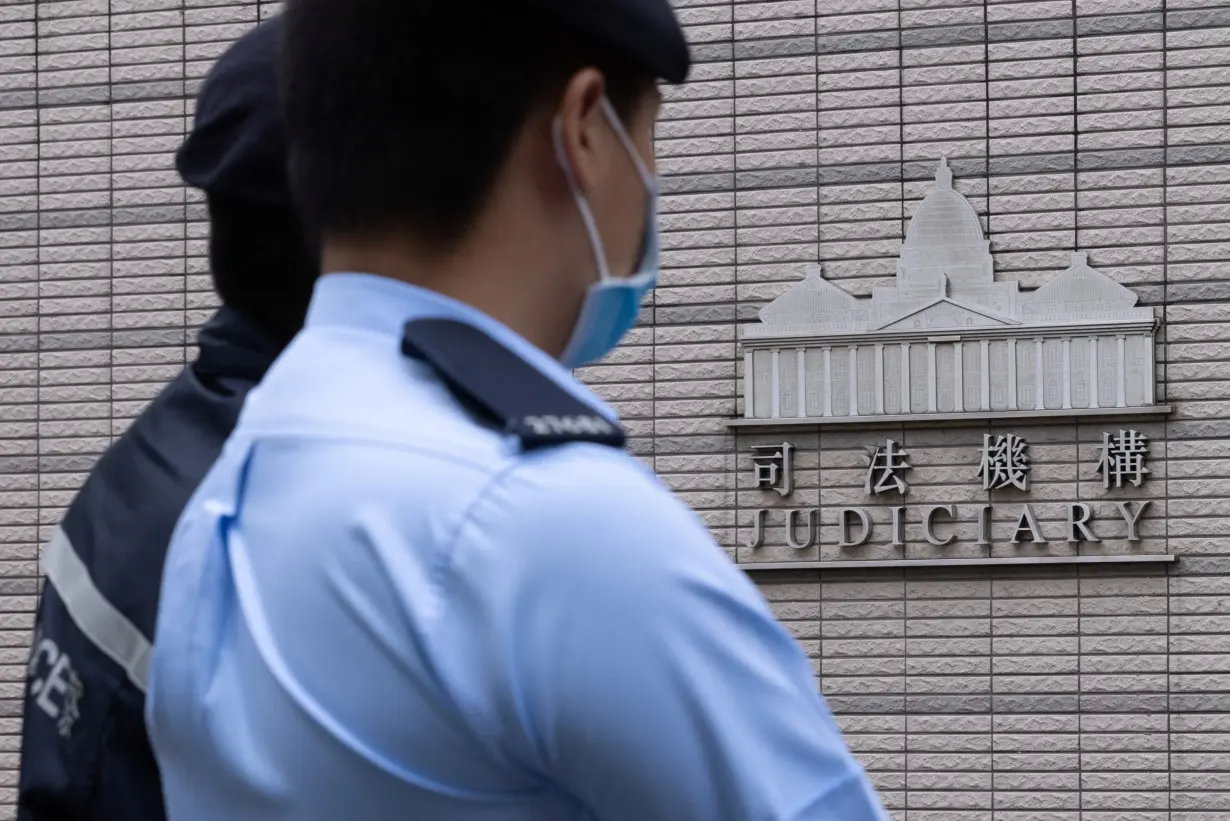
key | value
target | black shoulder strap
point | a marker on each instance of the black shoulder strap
(502, 386)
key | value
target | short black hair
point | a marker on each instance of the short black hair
(402, 112)
(263, 263)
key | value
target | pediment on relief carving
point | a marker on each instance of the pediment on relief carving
(945, 314)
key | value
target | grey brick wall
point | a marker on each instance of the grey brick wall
(102, 272)
(809, 132)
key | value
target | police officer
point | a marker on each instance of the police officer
(424, 580)
(85, 752)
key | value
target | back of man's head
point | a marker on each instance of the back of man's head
(401, 113)
(262, 262)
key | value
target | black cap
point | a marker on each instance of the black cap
(645, 31)
(237, 147)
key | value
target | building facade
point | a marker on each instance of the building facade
(946, 338)
(941, 354)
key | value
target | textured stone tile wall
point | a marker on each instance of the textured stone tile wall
(102, 272)
(809, 133)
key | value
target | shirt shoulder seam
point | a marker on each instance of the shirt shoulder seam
(853, 774)
(340, 435)
(442, 566)
(437, 585)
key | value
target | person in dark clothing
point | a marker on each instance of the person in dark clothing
(85, 752)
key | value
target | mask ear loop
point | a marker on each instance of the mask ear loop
(649, 181)
(587, 216)
(622, 133)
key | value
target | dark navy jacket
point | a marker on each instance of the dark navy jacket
(85, 754)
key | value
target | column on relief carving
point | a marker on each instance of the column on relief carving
(1067, 372)
(1121, 399)
(777, 384)
(749, 380)
(1094, 400)
(958, 370)
(1151, 361)
(986, 373)
(1039, 398)
(931, 377)
(879, 378)
(905, 377)
(801, 363)
(1012, 377)
(854, 380)
(828, 381)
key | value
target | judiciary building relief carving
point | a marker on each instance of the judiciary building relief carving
(947, 340)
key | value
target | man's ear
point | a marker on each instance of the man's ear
(583, 129)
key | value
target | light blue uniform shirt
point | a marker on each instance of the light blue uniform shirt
(375, 608)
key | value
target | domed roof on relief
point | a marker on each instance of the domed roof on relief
(945, 218)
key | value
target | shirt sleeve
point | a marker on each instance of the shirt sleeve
(641, 671)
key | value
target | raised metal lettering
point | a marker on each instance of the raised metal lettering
(843, 526)
(813, 526)
(1125, 510)
(1079, 514)
(1123, 459)
(951, 511)
(1027, 522)
(774, 466)
(886, 467)
(1005, 462)
(899, 527)
(757, 528)
(984, 526)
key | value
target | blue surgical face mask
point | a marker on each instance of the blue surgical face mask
(612, 303)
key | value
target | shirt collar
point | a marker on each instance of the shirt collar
(379, 304)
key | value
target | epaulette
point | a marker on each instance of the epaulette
(505, 389)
